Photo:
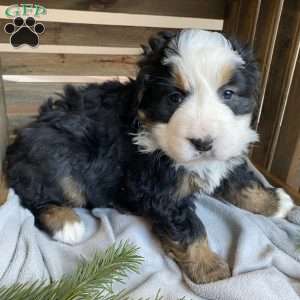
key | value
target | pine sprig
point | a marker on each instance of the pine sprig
(91, 281)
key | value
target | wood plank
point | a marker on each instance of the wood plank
(91, 35)
(23, 109)
(286, 162)
(264, 43)
(32, 92)
(69, 49)
(21, 94)
(187, 8)
(277, 70)
(68, 64)
(292, 74)
(63, 79)
(241, 17)
(125, 19)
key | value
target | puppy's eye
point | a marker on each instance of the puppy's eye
(227, 94)
(176, 97)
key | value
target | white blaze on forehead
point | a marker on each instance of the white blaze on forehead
(201, 56)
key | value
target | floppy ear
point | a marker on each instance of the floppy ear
(154, 51)
(141, 82)
(151, 58)
(250, 69)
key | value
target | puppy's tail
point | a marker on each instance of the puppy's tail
(70, 100)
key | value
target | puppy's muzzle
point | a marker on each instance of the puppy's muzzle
(202, 145)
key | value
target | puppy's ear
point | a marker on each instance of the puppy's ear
(251, 66)
(250, 69)
(141, 83)
(151, 59)
(154, 51)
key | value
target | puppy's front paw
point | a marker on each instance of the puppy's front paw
(62, 223)
(205, 271)
(70, 233)
(285, 204)
(198, 261)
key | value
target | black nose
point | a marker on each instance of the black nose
(202, 145)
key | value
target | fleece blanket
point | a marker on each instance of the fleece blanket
(262, 252)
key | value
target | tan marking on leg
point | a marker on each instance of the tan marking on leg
(198, 261)
(53, 218)
(72, 192)
(256, 199)
(63, 224)
(147, 123)
(3, 189)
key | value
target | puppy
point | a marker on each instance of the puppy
(148, 146)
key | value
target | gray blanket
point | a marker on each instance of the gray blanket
(261, 251)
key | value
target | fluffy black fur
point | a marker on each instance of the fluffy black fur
(87, 135)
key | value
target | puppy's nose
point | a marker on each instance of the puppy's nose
(202, 145)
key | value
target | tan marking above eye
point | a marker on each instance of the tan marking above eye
(141, 115)
(225, 75)
(180, 80)
(147, 123)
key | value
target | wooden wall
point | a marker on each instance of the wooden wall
(279, 119)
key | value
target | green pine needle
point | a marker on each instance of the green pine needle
(91, 281)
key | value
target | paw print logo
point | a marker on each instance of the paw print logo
(24, 32)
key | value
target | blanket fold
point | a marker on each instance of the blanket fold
(262, 252)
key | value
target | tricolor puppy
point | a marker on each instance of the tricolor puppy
(147, 146)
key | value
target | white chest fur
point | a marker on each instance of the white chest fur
(212, 172)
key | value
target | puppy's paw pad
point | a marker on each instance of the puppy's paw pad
(71, 233)
(286, 204)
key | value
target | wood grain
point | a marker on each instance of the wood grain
(68, 64)
(91, 35)
(22, 94)
(241, 17)
(125, 19)
(277, 68)
(70, 49)
(286, 162)
(187, 8)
